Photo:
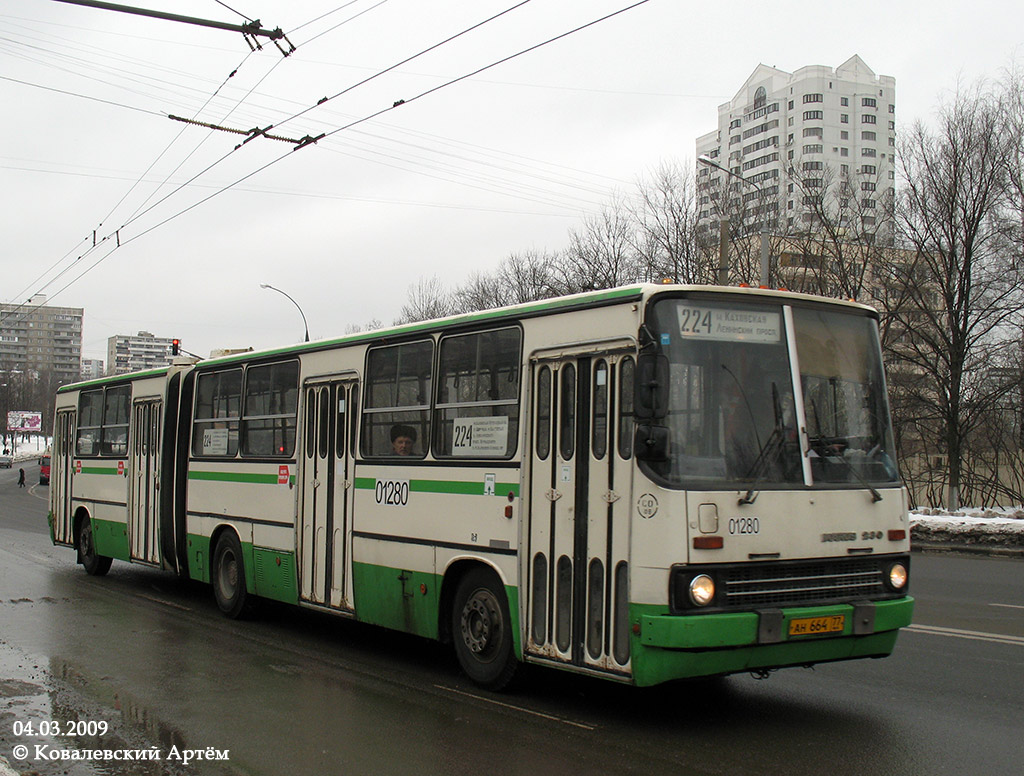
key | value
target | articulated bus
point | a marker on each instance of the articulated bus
(645, 484)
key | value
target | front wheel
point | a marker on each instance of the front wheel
(482, 630)
(95, 565)
(229, 576)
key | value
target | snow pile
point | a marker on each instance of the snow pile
(999, 527)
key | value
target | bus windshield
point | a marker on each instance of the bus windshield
(732, 420)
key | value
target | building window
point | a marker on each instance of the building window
(868, 169)
(812, 115)
(790, 105)
(815, 148)
(813, 98)
(814, 166)
(844, 135)
(844, 101)
(868, 102)
(844, 169)
(868, 152)
(868, 118)
(867, 135)
(735, 123)
(892, 108)
(867, 186)
(814, 132)
(868, 204)
(844, 118)
(844, 151)
(813, 183)
(760, 96)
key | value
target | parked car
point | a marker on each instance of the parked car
(6, 462)
(44, 470)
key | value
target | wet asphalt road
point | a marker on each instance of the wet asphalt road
(292, 692)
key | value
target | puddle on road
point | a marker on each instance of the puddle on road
(51, 712)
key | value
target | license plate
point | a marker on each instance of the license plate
(813, 626)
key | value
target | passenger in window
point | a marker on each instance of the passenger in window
(402, 439)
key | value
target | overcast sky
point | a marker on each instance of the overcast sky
(447, 184)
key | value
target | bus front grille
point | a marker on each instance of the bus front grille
(776, 584)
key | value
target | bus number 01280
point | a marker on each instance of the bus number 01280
(392, 493)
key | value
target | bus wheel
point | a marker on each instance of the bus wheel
(229, 576)
(95, 565)
(482, 631)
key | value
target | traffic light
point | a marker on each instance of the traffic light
(175, 346)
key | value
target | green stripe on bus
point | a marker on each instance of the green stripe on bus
(99, 470)
(247, 477)
(456, 488)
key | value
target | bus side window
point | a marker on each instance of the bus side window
(567, 415)
(544, 413)
(397, 400)
(627, 375)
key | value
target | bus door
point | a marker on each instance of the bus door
(62, 465)
(325, 517)
(580, 483)
(144, 480)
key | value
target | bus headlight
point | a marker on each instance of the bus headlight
(702, 590)
(897, 576)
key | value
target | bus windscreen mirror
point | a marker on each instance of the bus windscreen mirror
(651, 442)
(651, 386)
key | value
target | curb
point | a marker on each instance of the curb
(990, 550)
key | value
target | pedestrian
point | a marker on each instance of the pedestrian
(21, 478)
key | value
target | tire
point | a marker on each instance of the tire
(95, 565)
(482, 630)
(229, 576)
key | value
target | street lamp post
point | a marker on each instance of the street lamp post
(764, 223)
(306, 325)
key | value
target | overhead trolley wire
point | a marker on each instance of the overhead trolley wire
(312, 140)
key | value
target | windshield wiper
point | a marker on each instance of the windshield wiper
(875, 495)
(771, 447)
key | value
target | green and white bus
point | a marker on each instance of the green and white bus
(646, 483)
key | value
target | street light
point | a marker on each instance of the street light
(764, 223)
(266, 285)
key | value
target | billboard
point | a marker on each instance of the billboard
(29, 422)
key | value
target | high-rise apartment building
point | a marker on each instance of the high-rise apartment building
(134, 353)
(41, 341)
(800, 140)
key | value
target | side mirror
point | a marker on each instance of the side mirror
(651, 399)
(651, 442)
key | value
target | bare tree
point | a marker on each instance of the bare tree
(664, 216)
(600, 254)
(521, 277)
(961, 290)
(428, 298)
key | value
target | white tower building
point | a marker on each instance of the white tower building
(799, 138)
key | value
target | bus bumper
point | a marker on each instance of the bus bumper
(680, 646)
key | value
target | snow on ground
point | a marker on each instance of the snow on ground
(996, 527)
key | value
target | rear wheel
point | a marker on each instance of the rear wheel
(482, 630)
(94, 564)
(229, 576)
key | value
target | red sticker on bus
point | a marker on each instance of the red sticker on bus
(78, 467)
(120, 468)
(282, 475)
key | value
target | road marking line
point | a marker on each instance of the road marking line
(996, 638)
(517, 708)
(165, 603)
(1008, 606)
